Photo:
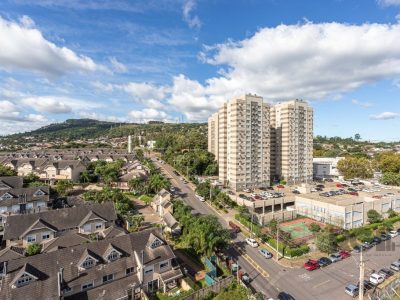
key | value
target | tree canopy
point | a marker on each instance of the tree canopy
(354, 167)
(7, 171)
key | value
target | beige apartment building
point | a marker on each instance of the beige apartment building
(242, 142)
(292, 141)
(254, 142)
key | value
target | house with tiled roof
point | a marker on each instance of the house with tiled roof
(43, 227)
(118, 268)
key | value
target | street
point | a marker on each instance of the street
(325, 283)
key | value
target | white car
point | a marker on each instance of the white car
(252, 242)
(246, 190)
(395, 266)
(376, 278)
(393, 233)
(265, 253)
(200, 198)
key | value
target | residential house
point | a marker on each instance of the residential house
(161, 203)
(22, 230)
(62, 170)
(118, 268)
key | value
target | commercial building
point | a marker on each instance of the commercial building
(254, 142)
(292, 141)
(243, 142)
(326, 167)
(346, 211)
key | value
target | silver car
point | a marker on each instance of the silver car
(335, 257)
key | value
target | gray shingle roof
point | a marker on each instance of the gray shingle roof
(28, 193)
(13, 182)
(47, 287)
(60, 219)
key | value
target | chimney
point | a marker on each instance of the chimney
(60, 280)
(4, 268)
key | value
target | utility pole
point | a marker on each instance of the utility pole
(277, 243)
(251, 225)
(361, 285)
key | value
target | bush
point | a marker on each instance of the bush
(314, 227)
(299, 251)
(340, 238)
(33, 249)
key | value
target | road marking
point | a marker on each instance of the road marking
(322, 283)
(305, 276)
(262, 272)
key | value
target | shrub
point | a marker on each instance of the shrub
(299, 251)
(314, 227)
(33, 249)
(340, 238)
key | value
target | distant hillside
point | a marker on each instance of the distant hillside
(71, 129)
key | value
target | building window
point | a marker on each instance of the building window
(24, 280)
(107, 278)
(164, 264)
(88, 263)
(113, 255)
(156, 243)
(129, 271)
(31, 238)
(45, 236)
(87, 286)
(87, 228)
(148, 270)
(99, 225)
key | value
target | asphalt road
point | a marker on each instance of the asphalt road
(325, 283)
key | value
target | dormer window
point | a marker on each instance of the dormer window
(156, 243)
(24, 280)
(114, 255)
(88, 263)
(38, 193)
(6, 196)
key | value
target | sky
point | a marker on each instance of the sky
(179, 60)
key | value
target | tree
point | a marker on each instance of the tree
(357, 137)
(354, 167)
(373, 216)
(273, 225)
(325, 242)
(137, 184)
(390, 178)
(7, 171)
(28, 179)
(63, 187)
(134, 221)
(388, 162)
(391, 213)
(33, 249)
(314, 227)
(139, 154)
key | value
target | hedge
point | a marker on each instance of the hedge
(340, 238)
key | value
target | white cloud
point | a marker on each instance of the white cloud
(362, 104)
(57, 105)
(192, 20)
(387, 115)
(11, 113)
(23, 47)
(143, 91)
(103, 87)
(389, 2)
(37, 118)
(148, 114)
(118, 66)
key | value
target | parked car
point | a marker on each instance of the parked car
(344, 254)
(353, 193)
(367, 245)
(335, 257)
(357, 249)
(200, 198)
(352, 290)
(385, 272)
(234, 226)
(252, 242)
(265, 253)
(280, 186)
(296, 192)
(172, 189)
(320, 186)
(376, 279)
(247, 190)
(393, 233)
(395, 266)
(367, 285)
(311, 265)
(376, 240)
(285, 296)
(385, 237)
(324, 261)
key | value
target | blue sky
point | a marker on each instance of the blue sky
(172, 60)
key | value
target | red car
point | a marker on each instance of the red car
(339, 185)
(353, 193)
(280, 186)
(344, 254)
(311, 265)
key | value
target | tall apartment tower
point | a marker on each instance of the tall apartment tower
(213, 134)
(292, 140)
(243, 142)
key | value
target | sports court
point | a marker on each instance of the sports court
(298, 228)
